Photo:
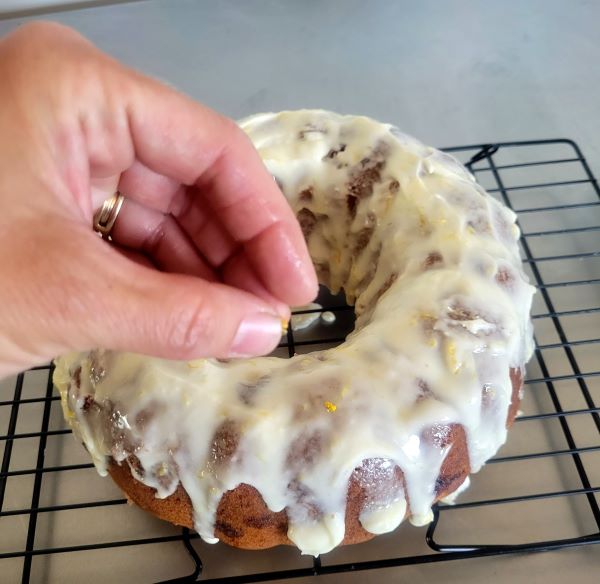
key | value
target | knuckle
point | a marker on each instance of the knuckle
(191, 330)
(156, 239)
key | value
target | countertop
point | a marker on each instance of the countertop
(451, 73)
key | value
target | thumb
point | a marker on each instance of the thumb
(126, 306)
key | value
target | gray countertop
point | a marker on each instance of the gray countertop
(449, 72)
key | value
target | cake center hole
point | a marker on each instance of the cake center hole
(321, 325)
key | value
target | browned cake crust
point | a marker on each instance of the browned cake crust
(244, 521)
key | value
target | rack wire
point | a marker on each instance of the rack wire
(551, 187)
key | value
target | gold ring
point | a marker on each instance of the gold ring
(105, 217)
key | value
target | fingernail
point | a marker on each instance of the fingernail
(258, 334)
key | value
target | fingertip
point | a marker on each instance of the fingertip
(311, 294)
(257, 334)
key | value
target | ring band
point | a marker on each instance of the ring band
(105, 217)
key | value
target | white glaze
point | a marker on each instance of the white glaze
(415, 362)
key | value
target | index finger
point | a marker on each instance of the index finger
(179, 138)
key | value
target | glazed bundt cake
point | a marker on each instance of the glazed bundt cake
(333, 446)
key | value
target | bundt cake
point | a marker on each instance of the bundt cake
(333, 446)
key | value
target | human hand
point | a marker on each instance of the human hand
(227, 256)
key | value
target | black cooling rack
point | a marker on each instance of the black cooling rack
(550, 185)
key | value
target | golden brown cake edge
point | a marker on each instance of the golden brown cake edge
(244, 520)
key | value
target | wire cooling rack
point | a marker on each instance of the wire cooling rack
(56, 514)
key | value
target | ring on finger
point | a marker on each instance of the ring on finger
(106, 216)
